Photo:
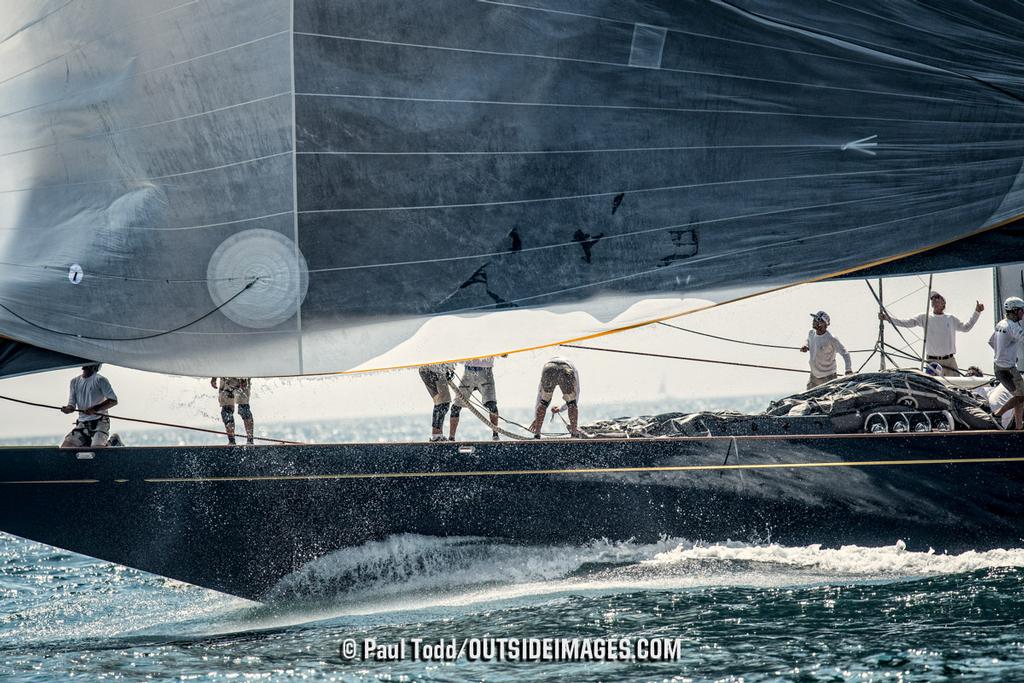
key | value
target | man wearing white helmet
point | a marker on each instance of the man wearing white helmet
(942, 329)
(823, 348)
(1006, 341)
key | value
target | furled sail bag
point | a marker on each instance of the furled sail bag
(270, 187)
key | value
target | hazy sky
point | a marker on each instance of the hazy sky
(778, 318)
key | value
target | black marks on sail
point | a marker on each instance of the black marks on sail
(586, 242)
(517, 241)
(684, 245)
(617, 202)
(477, 285)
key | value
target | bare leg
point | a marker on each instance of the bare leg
(249, 430)
(1009, 405)
(453, 426)
(574, 418)
(1016, 404)
(538, 419)
(437, 420)
(494, 424)
(227, 415)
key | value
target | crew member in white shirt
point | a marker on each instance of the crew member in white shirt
(997, 397)
(1006, 342)
(942, 329)
(91, 396)
(823, 348)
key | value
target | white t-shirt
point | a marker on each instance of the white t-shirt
(1006, 342)
(997, 398)
(87, 392)
(942, 331)
(823, 349)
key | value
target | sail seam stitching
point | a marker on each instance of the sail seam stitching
(598, 62)
(686, 110)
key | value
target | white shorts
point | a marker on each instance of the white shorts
(477, 379)
(561, 375)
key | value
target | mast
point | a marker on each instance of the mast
(881, 327)
(927, 306)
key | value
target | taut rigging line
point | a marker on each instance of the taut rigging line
(154, 422)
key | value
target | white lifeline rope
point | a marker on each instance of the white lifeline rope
(468, 400)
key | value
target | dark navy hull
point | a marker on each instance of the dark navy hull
(238, 520)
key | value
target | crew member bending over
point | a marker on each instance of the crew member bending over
(563, 374)
(91, 395)
(942, 329)
(435, 379)
(823, 348)
(477, 375)
(1006, 342)
(231, 392)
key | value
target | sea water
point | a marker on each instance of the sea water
(735, 611)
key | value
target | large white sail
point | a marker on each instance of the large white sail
(272, 187)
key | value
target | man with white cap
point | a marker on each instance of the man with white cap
(823, 348)
(1006, 342)
(940, 346)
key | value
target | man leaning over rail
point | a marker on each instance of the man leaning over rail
(823, 348)
(91, 395)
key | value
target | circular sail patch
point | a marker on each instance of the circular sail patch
(269, 260)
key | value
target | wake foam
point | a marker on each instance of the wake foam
(412, 563)
(412, 570)
(847, 561)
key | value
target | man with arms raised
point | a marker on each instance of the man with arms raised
(942, 329)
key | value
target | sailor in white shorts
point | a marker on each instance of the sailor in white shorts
(558, 372)
(477, 375)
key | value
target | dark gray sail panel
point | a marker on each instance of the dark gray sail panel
(136, 138)
(23, 359)
(299, 186)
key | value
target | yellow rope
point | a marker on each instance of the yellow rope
(577, 471)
